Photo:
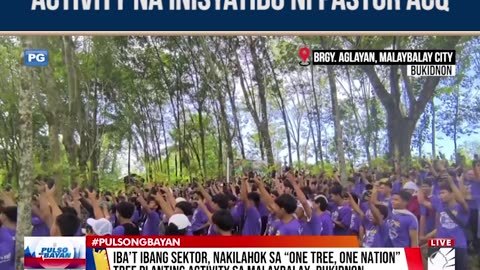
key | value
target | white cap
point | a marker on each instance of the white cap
(100, 226)
(180, 199)
(180, 220)
(410, 185)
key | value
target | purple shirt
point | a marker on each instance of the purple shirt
(472, 193)
(212, 230)
(375, 235)
(327, 224)
(7, 248)
(199, 219)
(237, 212)
(386, 201)
(449, 229)
(396, 186)
(354, 223)
(429, 215)
(400, 226)
(119, 230)
(359, 186)
(136, 216)
(270, 221)
(39, 227)
(305, 228)
(253, 222)
(152, 224)
(314, 226)
(282, 229)
(263, 210)
(342, 214)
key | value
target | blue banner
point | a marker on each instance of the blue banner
(239, 15)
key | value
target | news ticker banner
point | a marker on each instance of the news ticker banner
(419, 62)
(228, 253)
(239, 15)
(244, 253)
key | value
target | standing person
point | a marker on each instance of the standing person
(403, 225)
(385, 193)
(373, 228)
(253, 220)
(124, 213)
(427, 210)
(200, 218)
(323, 216)
(283, 207)
(342, 213)
(8, 225)
(472, 196)
(223, 222)
(413, 205)
(218, 202)
(151, 226)
(453, 218)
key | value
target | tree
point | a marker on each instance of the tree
(24, 224)
(402, 118)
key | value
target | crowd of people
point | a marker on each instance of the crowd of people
(383, 210)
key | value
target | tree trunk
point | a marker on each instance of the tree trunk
(129, 154)
(317, 118)
(399, 146)
(264, 132)
(24, 224)
(281, 105)
(202, 139)
(400, 131)
(337, 124)
(71, 123)
(167, 154)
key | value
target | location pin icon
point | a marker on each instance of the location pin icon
(304, 53)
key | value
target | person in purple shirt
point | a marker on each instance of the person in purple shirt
(373, 229)
(342, 214)
(219, 202)
(355, 218)
(286, 224)
(200, 218)
(264, 215)
(395, 185)
(151, 226)
(321, 223)
(472, 196)
(427, 209)
(384, 195)
(238, 213)
(40, 228)
(253, 221)
(403, 225)
(8, 224)
(452, 219)
(124, 212)
(223, 222)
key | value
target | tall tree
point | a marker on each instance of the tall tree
(25, 183)
(402, 118)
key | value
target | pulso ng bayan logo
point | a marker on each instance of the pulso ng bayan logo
(36, 58)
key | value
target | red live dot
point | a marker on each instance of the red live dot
(441, 242)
